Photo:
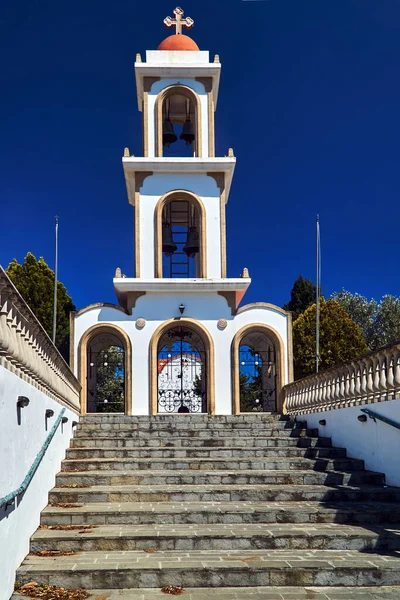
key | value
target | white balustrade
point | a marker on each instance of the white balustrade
(26, 349)
(368, 379)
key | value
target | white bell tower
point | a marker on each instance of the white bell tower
(184, 345)
(179, 188)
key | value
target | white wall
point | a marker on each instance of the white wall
(207, 308)
(19, 446)
(377, 443)
(153, 189)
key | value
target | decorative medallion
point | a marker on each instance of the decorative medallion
(140, 323)
(222, 324)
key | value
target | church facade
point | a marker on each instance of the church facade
(177, 341)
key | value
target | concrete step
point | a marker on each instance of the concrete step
(239, 442)
(251, 593)
(190, 513)
(224, 493)
(213, 464)
(191, 419)
(215, 569)
(126, 431)
(213, 477)
(226, 452)
(262, 536)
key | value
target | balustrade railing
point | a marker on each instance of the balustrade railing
(372, 378)
(26, 349)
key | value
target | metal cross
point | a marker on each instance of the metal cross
(179, 22)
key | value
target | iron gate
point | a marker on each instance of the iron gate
(106, 380)
(182, 372)
(257, 374)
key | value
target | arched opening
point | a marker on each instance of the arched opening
(180, 235)
(178, 123)
(104, 371)
(258, 370)
(257, 373)
(182, 368)
(182, 372)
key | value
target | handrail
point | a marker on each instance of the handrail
(373, 415)
(368, 379)
(11, 497)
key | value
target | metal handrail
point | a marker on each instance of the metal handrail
(373, 415)
(9, 499)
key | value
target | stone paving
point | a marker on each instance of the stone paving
(228, 506)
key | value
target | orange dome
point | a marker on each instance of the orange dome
(178, 42)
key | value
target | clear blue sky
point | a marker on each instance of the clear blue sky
(309, 101)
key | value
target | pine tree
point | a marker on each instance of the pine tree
(35, 282)
(301, 297)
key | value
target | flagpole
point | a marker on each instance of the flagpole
(318, 295)
(55, 286)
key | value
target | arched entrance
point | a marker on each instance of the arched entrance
(258, 370)
(182, 372)
(104, 371)
(182, 369)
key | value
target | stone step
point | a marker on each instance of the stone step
(225, 493)
(226, 452)
(190, 513)
(213, 464)
(191, 418)
(126, 431)
(251, 593)
(215, 569)
(182, 424)
(267, 536)
(246, 442)
(201, 478)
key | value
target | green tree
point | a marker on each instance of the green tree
(301, 297)
(361, 310)
(379, 322)
(341, 339)
(35, 282)
(109, 389)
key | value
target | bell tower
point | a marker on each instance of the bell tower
(183, 343)
(179, 188)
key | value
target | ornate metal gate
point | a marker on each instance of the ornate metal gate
(257, 374)
(106, 380)
(182, 372)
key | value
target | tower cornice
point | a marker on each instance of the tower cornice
(134, 167)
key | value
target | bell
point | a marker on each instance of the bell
(168, 244)
(192, 245)
(169, 135)
(187, 134)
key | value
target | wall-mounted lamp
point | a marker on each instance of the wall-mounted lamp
(182, 309)
(49, 413)
(322, 422)
(22, 401)
(74, 423)
(64, 420)
(362, 418)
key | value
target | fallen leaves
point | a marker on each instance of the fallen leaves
(55, 553)
(66, 505)
(67, 527)
(151, 551)
(50, 592)
(173, 590)
(74, 486)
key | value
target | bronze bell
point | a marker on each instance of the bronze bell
(192, 245)
(187, 134)
(168, 244)
(169, 135)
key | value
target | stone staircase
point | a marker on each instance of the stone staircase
(254, 505)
